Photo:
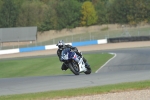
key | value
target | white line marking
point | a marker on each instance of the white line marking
(106, 62)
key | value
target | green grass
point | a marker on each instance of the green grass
(80, 91)
(45, 66)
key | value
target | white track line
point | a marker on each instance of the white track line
(107, 62)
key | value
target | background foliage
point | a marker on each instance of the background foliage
(89, 15)
(59, 14)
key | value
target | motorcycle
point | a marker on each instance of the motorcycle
(74, 62)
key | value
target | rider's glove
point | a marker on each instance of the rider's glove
(80, 53)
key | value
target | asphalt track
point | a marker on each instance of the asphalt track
(129, 65)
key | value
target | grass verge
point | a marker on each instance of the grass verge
(45, 66)
(80, 92)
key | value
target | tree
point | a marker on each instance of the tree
(129, 11)
(68, 14)
(89, 16)
(32, 13)
(138, 11)
(50, 17)
(101, 7)
(8, 13)
(62, 14)
(147, 15)
(1, 3)
(83, 0)
(45, 1)
(118, 11)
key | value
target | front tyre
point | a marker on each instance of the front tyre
(73, 69)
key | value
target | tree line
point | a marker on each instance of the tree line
(59, 14)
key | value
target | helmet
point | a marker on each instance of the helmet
(60, 44)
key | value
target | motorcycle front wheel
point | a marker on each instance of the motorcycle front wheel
(74, 68)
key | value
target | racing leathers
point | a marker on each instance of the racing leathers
(64, 67)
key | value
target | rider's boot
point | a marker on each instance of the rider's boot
(64, 67)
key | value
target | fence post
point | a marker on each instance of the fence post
(36, 42)
(0, 44)
(53, 41)
(90, 36)
(18, 42)
(72, 37)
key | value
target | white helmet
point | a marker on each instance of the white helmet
(60, 44)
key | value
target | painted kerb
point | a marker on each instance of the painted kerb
(29, 49)
(37, 48)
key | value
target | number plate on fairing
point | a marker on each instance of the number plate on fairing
(82, 65)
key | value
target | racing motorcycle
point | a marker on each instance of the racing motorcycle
(74, 62)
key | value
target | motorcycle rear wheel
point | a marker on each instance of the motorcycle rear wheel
(88, 71)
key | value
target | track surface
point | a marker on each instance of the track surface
(129, 65)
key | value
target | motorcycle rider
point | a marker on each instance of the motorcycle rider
(61, 45)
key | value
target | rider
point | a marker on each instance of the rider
(61, 45)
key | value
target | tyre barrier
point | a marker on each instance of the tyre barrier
(128, 39)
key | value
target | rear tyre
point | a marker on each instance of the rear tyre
(88, 71)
